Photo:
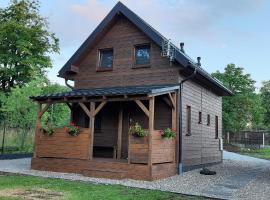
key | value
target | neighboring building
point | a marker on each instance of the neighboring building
(127, 72)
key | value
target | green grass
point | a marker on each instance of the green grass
(76, 190)
(258, 153)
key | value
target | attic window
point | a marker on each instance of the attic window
(142, 55)
(106, 58)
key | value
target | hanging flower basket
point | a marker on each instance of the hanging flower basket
(72, 129)
(137, 130)
(47, 131)
(168, 133)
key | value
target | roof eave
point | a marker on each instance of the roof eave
(154, 35)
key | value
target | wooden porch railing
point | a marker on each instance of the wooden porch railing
(163, 149)
(63, 145)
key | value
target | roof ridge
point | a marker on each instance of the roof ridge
(151, 32)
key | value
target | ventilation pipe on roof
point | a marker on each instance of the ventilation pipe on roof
(180, 117)
(199, 61)
(182, 44)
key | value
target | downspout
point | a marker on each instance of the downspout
(180, 116)
(67, 84)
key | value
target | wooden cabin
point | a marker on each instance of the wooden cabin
(127, 72)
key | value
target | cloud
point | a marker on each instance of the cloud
(176, 19)
(194, 18)
(93, 10)
(195, 22)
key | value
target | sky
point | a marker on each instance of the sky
(221, 32)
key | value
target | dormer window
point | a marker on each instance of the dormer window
(142, 55)
(105, 59)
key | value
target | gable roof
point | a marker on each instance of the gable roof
(153, 34)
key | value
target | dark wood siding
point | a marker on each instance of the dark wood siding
(107, 135)
(201, 146)
(122, 37)
(163, 115)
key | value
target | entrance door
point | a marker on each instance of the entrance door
(131, 114)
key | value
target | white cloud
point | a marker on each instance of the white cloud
(93, 10)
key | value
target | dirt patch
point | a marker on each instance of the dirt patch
(32, 194)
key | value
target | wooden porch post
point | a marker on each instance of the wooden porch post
(92, 129)
(38, 126)
(174, 112)
(174, 121)
(120, 131)
(151, 128)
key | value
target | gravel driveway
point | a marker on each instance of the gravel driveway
(238, 177)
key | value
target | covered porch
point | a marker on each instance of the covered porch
(104, 148)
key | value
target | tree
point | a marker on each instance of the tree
(25, 43)
(21, 112)
(265, 96)
(238, 110)
(58, 114)
(257, 112)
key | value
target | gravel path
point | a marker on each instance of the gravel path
(237, 178)
(238, 157)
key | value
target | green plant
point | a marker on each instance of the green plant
(137, 130)
(26, 43)
(168, 133)
(47, 130)
(72, 129)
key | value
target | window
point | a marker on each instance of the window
(216, 127)
(142, 54)
(106, 59)
(200, 117)
(208, 120)
(188, 120)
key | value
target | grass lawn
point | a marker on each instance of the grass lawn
(16, 187)
(258, 153)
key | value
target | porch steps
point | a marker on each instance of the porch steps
(108, 165)
(105, 173)
(105, 168)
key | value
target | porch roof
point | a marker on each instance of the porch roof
(109, 91)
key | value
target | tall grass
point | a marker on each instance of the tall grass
(13, 140)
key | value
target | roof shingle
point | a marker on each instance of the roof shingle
(109, 91)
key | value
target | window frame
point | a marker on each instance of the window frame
(208, 120)
(188, 120)
(200, 117)
(135, 66)
(99, 67)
